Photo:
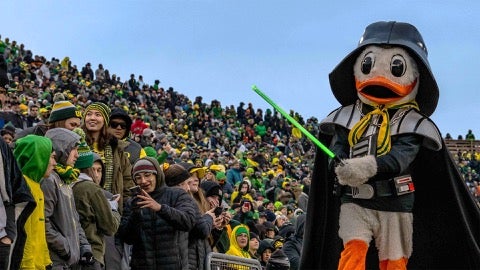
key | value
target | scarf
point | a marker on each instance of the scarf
(67, 173)
(383, 139)
(108, 159)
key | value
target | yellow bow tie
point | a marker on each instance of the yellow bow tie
(383, 139)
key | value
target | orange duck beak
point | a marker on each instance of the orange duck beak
(383, 91)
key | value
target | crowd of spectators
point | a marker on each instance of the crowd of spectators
(469, 166)
(260, 163)
(468, 162)
(254, 161)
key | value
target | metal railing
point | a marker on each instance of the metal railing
(219, 261)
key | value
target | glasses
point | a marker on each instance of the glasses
(117, 124)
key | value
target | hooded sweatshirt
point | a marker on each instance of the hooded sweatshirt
(15, 198)
(134, 149)
(235, 249)
(32, 153)
(65, 236)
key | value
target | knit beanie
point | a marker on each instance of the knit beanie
(242, 229)
(85, 157)
(254, 235)
(102, 108)
(211, 189)
(122, 114)
(220, 176)
(63, 110)
(143, 165)
(175, 174)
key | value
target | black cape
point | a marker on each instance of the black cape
(446, 219)
(20, 195)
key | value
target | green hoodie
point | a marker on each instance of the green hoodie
(32, 153)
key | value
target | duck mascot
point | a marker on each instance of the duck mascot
(393, 198)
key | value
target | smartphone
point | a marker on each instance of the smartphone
(218, 211)
(136, 190)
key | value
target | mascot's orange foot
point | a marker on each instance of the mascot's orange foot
(400, 264)
(353, 255)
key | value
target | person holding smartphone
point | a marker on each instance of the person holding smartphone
(246, 215)
(157, 222)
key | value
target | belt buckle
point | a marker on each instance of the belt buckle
(403, 185)
(364, 191)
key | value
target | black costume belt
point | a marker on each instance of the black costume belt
(397, 186)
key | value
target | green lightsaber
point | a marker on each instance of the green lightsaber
(295, 123)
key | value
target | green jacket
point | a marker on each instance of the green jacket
(96, 216)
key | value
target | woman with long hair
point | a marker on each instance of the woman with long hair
(117, 174)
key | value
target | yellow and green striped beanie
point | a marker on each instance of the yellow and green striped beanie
(102, 108)
(63, 110)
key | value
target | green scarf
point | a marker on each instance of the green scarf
(67, 173)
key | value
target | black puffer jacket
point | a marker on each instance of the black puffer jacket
(159, 239)
(198, 244)
(293, 245)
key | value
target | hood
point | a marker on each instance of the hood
(63, 141)
(121, 114)
(97, 157)
(264, 245)
(32, 153)
(82, 177)
(400, 34)
(300, 225)
(233, 240)
(160, 175)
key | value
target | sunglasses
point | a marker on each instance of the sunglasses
(116, 124)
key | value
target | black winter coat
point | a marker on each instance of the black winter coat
(198, 245)
(159, 239)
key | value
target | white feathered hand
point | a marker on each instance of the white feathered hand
(356, 171)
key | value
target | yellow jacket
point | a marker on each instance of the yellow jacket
(35, 255)
(235, 249)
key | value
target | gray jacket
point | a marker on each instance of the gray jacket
(65, 237)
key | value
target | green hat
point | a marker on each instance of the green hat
(240, 230)
(278, 205)
(150, 151)
(63, 110)
(102, 108)
(221, 176)
(85, 157)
